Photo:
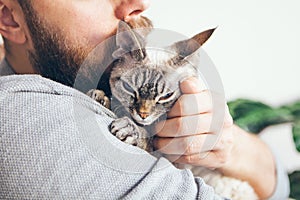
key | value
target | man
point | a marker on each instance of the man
(51, 146)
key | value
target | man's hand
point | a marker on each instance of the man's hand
(183, 135)
(236, 153)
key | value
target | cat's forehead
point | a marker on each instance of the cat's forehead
(160, 56)
(146, 73)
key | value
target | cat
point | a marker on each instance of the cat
(145, 85)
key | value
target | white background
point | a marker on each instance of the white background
(255, 48)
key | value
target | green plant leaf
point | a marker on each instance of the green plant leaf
(242, 107)
(295, 184)
(296, 135)
(294, 108)
(254, 116)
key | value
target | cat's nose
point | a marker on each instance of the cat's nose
(144, 115)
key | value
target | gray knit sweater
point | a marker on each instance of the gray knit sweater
(55, 144)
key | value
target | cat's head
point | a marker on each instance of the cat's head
(146, 80)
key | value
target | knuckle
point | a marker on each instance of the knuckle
(227, 138)
(230, 141)
(189, 149)
(223, 159)
(189, 159)
(180, 105)
(192, 145)
(186, 145)
(178, 125)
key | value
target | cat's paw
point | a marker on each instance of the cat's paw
(125, 129)
(100, 97)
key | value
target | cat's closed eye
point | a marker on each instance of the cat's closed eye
(165, 98)
(128, 87)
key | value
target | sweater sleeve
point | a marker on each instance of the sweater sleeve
(55, 144)
(282, 189)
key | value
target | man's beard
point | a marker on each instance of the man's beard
(53, 57)
(52, 60)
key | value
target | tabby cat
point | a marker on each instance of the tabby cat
(144, 83)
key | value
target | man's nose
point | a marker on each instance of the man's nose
(128, 9)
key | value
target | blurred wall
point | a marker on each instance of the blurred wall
(256, 47)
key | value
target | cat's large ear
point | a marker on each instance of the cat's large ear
(187, 47)
(130, 41)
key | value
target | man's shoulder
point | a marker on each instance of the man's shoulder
(33, 83)
(36, 92)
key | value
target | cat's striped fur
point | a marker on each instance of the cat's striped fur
(145, 85)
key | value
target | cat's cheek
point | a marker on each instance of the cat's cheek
(131, 100)
(164, 108)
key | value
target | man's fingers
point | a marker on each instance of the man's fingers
(191, 86)
(192, 104)
(209, 159)
(184, 126)
(181, 146)
(209, 150)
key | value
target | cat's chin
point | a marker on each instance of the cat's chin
(143, 122)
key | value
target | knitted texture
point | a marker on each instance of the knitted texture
(55, 144)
